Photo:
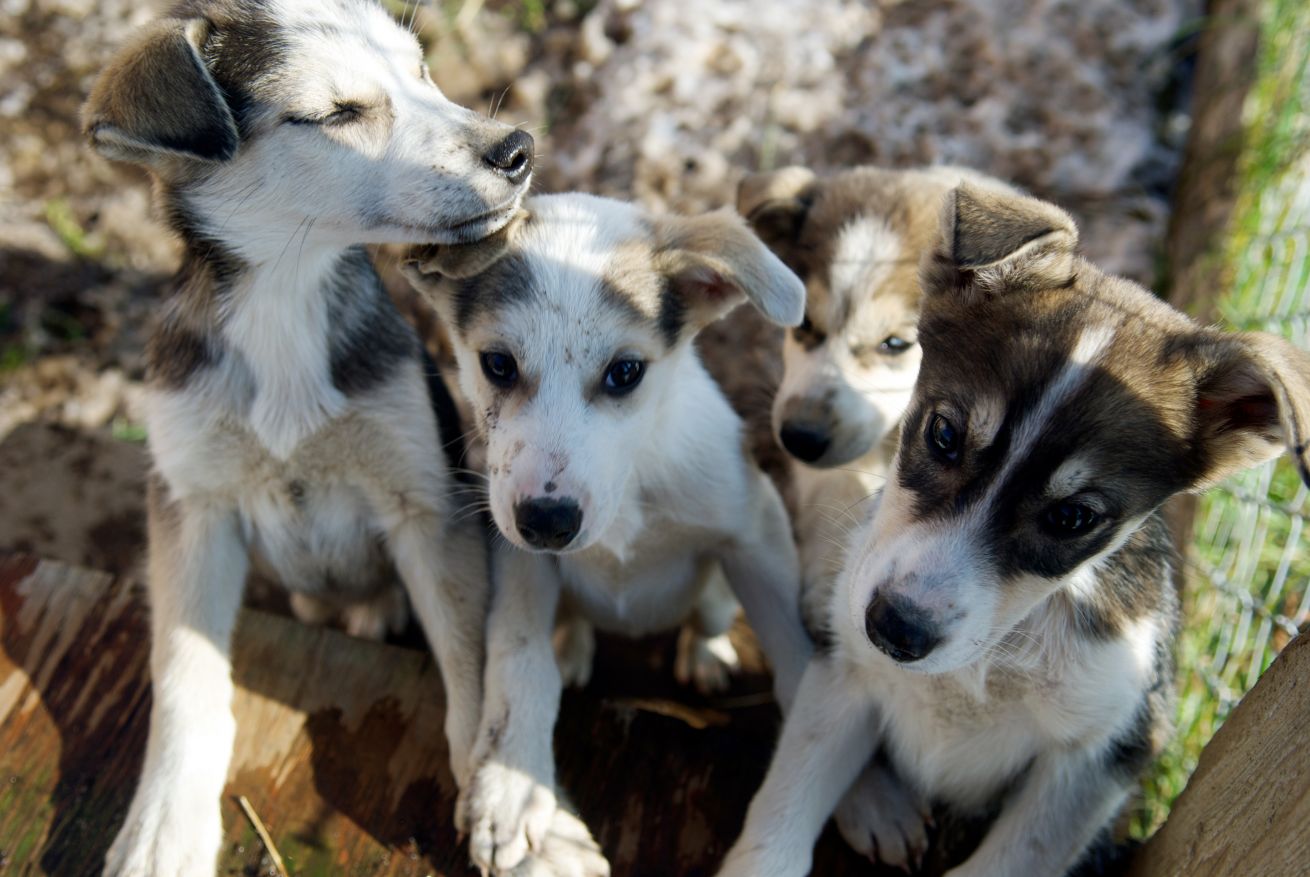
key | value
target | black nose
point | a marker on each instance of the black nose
(511, 156)
(900, 628)
(548, 523)
(804, 441)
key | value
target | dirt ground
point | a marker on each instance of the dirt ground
(668, 102)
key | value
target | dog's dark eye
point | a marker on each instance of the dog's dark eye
(1070, 518)
(944, 439)
(894, 345)
(623, 376)
(500, 368)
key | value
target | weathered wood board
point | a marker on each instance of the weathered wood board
(340, 748)
(1246, 809)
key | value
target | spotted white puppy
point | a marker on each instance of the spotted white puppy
(617, 474)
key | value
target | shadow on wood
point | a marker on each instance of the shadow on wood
(340, 748)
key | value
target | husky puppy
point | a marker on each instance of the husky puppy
(855, 238)
(1003, 622)
(291, 422)
(617, 474)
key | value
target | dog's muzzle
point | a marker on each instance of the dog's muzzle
(805, 441)
(899, 628)
(550, 524)
(511, 157)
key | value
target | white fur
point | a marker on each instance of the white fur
(228, 444)
(667, 496)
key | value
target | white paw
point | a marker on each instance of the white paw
(575, 649)
(884, 820)
(568, 851)
(167, 834)
(506, 813)
(309, 609)
(373, 619)
(706, 662)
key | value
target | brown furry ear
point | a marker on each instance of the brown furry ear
(157, 99)
(998, 239)
(458, 261)
(1253, 402)
(776, 204)
(713, 262)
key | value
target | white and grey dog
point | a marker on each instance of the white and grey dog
(290, 419)
(1003, 624)
(617, 473)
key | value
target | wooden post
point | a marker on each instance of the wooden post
(1246, 809)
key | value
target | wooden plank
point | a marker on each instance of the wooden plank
(1246, 809)
(340, 748)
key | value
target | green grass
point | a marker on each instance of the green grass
(1251, 574)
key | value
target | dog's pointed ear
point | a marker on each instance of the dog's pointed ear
(1252, 403)
(776, 204)
(427, 264)
(157, 100)
(997, 240)
(713, 262)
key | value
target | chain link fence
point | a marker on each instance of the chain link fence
(1248, 575)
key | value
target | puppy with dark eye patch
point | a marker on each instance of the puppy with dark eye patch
(856, 238)
(1002, 626)
(293, 423)
(616, 470)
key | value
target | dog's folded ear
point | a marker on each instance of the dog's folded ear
(776, 204)
(1252, 403)
(157, 99)
(426, 264)
(997, 241)
(713, 262)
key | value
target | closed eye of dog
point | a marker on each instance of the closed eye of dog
(341, 113)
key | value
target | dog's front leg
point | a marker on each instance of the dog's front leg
(196, 574)
(1063, 802)
(827, 738)
(444, 570)
(510, 803)
(764, 571)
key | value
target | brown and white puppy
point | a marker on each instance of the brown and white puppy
(856, 239)
(1004, 619)
(616, 469)
(291, 422)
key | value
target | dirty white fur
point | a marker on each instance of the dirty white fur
(668, 497)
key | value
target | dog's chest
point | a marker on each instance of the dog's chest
(649, 591)
(313, 519)
(963, 738)
(955, 746)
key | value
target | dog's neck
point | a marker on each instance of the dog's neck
(269, 301)
(276, 318)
